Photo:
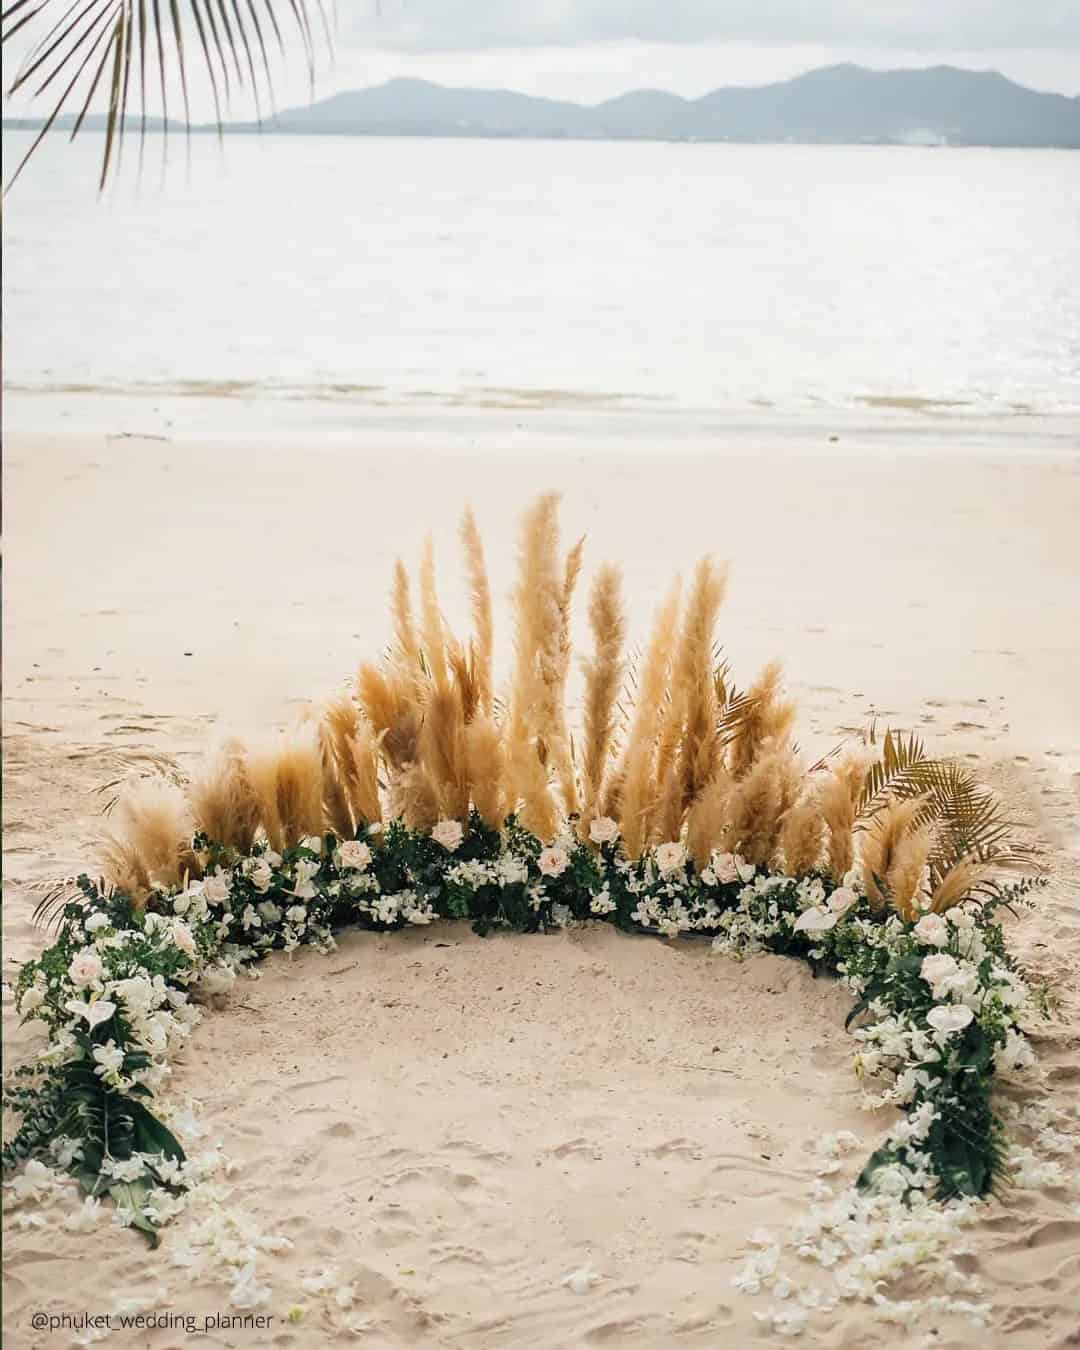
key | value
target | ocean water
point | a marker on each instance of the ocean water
(663, 289)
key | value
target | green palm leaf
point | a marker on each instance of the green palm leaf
(118, 39)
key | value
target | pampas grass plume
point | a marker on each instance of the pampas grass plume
(223, 803)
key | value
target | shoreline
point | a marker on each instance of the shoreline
(494, 420)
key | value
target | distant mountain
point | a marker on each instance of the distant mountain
(837, 104)
(843, 104)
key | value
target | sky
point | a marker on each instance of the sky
(589, 50)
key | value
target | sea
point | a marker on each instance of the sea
(284, 286)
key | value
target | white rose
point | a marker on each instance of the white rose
(269, 911)
(448, 833)
(950, 1019)
(216, 888)
(312, 842)
(842, 899)
(553, 861)
(745, 869)
(936, 970)
(96, 922)
(261, 876)
(816, 921)
(32, 999)
(183, 938)
(932, 931)
(296, 914)
(85, 969)
(603, 830)
(355, 854)
(181, 903)
(726, 868)
(670, 857)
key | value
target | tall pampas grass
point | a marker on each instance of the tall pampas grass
(759, 803)
(485, 766)
(957, 884)
(707, 819)
(906, 872)
(442, 742)
(767, 722)
(223, 803)
(536, 725)
(694, 683)
(432, 624)
(387, 698)
(638, 786)
(802, 838)
(880, 843)
(149, 837)
(406, 649)
(604, 672)
(480, 600)
(286, 775)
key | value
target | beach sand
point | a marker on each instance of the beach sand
(455, 1124)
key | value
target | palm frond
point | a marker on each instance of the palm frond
(900, 772)
(57, 896)
(82, 42)
(968, 820)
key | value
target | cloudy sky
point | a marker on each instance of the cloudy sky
(590, 50)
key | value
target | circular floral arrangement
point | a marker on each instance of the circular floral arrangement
(423, 798)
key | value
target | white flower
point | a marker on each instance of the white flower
(1016, 1052)
(246, 1292)
(110, 1059)
(604, 830)
(95, 922)
(32, 999)
(269, 911)
(85, 969)
(296, 914)
(937, 971)
(816, 921)
(312, 842)
(670, 857)
(126, 1169)
(932, 931)
(842, 899)
(448, 833)
(949, 1018)
(216, 888)
(355, 854)
(183, 938)
(261, 875)
(304, 885)
(581, 1281)
(95, 1013)
(139, 995)
(745, 869)
(33, 1182)
(182, 902)
(85, 1218)
(726, 868)
(553, 861)
(217, 980)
